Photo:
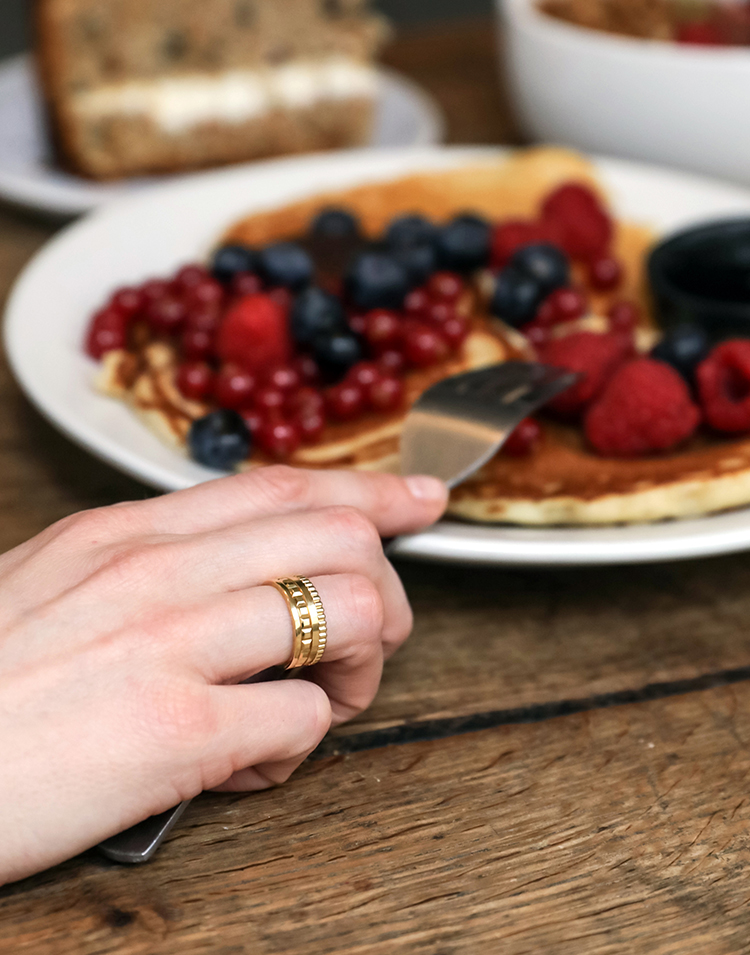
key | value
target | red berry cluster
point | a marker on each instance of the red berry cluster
(574, 219)
(236, 350)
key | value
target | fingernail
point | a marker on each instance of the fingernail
(426, 488)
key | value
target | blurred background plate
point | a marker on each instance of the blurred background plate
(406, 116)
(153, 232)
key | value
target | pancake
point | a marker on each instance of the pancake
(563, 481)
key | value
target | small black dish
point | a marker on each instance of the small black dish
(702, 277)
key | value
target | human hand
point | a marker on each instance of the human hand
(124, 631)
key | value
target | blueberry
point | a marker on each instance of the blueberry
(516, 298)
(377, 280)
(231, 259)
(220, 440)
(464, 244)
(286, 264)
(314, 313)
(335, 223)
(420, 261)
(410, 231)
(545, 263)
(684, 347)
(335, 354)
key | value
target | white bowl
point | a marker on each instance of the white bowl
(669, 103)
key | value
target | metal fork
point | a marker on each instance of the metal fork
(453, 429)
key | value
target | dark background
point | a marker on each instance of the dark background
(14, 31)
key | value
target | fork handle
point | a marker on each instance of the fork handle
(139, 843)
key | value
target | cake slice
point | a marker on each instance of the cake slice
(135, 86)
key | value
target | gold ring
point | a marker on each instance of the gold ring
(308, 617)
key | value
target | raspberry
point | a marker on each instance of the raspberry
(255, 334)
(646, 407)
(508, 237)
(593, 356)
(586, 227)
(724, 386)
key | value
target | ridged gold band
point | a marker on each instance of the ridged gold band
(308, 617)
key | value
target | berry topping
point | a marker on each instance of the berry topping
(255, 334)
(333, 223)
(305, 401)
(311, 425)
(219, 440)
(195, 380)
(392, 362)
(307, 368)
(207, 292)
(455, 331)
(423, 344)
(377, 280)
(409, 231)
(383, 329)
(386, 394)
(245, 283)
(645, 408)
(464, 243)
(420, 261)
(230, 260)
(724, 386)
(269, 400)
(624, 316)
(586, 229)
(445, 287)
(278, 438)
(684, 348)
(189, 276)
(523, 440)
(516, 297)
(364, 374)
(284, 377)
(537, 334)
(166, 315)
(336, 354)
(345, 401)
(605, 273)
(417, 303)
(127, 301)
(197, 344)
(594, 357)
(234, 386)
(508, 237)
(286, 264)
(545, 263)
(314, 313)
(106, 332)
(563, 305)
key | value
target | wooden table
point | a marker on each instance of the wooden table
(557, 763)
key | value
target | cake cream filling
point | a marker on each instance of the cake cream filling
(176, 104)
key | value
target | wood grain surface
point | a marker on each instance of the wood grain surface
(599, 805)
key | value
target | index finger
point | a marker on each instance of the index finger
(395, 505)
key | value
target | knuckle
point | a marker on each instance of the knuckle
(85, 524)
(137, 562)
(281, 484)
(353, 527)
(364, 606)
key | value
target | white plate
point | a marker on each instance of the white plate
(406, 116)
(154, 232)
